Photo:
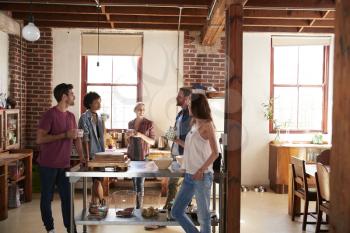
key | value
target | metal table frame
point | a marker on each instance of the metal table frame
(136, 169)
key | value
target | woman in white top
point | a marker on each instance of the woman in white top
(200, 151)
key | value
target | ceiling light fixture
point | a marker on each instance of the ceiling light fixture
(31, 32)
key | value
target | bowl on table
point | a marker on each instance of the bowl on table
(163, 163)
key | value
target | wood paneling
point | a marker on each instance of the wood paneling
(340, 159)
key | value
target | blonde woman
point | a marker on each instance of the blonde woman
(141, 136)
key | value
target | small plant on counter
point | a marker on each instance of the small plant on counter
(268, 114)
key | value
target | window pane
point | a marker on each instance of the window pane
(285, 106)
(310, 108)
(101, 73)
(285, 64)
(124, 100)
(125, 69)
(311, 64)
(105, 93)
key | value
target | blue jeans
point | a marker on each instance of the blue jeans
(49, 177)
(201, 189)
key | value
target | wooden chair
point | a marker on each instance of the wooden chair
(324, 157)
(323, 195)
(301, 189)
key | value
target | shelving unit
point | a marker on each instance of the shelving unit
(136, 219)
(26, 179)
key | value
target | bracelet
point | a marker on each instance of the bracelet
(65, 135)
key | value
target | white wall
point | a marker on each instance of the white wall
(4, 63)
(66, 62)
(159, 71)
(160, 76)
(256, 90)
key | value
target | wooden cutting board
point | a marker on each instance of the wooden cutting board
(101, 163)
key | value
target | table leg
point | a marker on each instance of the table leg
(72, 223)
(105, 185)
(84, 199)
(214, 202)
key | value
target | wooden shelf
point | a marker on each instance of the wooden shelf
(6, 158)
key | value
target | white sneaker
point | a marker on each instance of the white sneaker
(52, 231)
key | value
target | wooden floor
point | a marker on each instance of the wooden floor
(261, 213)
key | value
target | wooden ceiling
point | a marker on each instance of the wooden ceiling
(201, 15)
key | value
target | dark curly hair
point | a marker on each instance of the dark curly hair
(60, 90)
(89, 98)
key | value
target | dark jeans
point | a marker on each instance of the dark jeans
(49, 177)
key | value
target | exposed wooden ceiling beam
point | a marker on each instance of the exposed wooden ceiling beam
(111, 18)
(284, 14)
(287, 29)
(48, 8)
(103, 9)
(149, 3)
(288, 23)
(187, 3)
(116, 25)
(62, 17)
(276, 22)
(157, 11)
(214, 27)
(150, 11)
(291, 4)
(324, 23)
(317, 30)
(158, 20)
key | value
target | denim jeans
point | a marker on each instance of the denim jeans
(49, 177)
(139, 185)
(201, 190)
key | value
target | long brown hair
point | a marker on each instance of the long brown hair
(200, 107)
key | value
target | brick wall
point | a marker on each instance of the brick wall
(17, 73)
(204, 64)
(36, 81)
(39, 81)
